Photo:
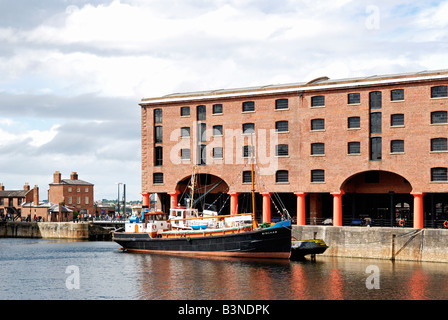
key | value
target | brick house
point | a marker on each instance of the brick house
(73, 193)
(340, 150)
(11, 200)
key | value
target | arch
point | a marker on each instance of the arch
(208, 188)
(376, 181)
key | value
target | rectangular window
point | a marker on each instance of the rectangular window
(438, 117)
(318, 148)
(318, 124)
(201, 113)
(375, 100)
(78, 200)
(439, 174)
(318, 101)
(354, 147)
(439, 144)
(282, 176)
(185, 132)
(217, 108)
(281, 104)
(158, 156)
(86, 200)
(185, 111)
(439, 92)
(397, 95)
(281, 126)
(246, 151)
(247, 176)
(217, 153)
(317, 175)
(397, 120)
(157, 115)
(281, 150)
(202, 134)
(397, 146)
(354, 98)
(354, 122)
(248, 106)
(217, 130)
(375, 148)
(157, 178)
(202, 156)
(375, 122)
(70, 200)
(185, 154)
(248, 128)
(158, 136)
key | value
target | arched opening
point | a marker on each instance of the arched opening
(209, 193)
(377, 198)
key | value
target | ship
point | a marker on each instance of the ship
(185, 231)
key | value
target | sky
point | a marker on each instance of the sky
(72, 72)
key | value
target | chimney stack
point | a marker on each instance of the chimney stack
(74, 176)
(57, 177)
(36, 195)
(26, 186)
(2, 187)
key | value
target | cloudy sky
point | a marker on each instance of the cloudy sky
(72, 72)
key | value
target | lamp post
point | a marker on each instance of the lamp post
(118, 197)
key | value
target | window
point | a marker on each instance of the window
(246, 151)
(86, 190)
(158, 134)
(375, 122)
(158, 156)
(86, 200)
(202, 156)
(157, 115)
(217, 153)
(247, 176)
(185, 132)
(217, 109)
(318, 101)
(217, 130)
(248, 106)
(439, 174)
(397, 120)
(282, 176)
(70, 200)
(201, 113)
(397, 146)
(318, 124)
(70, 189)
(438, 117)
(281, 104)
(354, 122)
(318, 148)
(375, 100)
(439, 92)
(375, 148)
(248, 128)
(157, 178)
(353, 98)
(281, 150)
(354, 147)
(318, 175)
(185, 111)
(78, 200)
(397, 95)
(185, 154)
(202, 134)
(439, 144)
(281, 126)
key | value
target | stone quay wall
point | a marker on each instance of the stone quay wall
(429, 245)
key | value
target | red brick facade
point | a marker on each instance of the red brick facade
(327, 146)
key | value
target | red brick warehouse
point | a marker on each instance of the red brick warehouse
(340, 151)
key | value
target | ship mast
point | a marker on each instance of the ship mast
(252, 151)
(193, 178)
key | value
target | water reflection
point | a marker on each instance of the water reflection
(172, 277)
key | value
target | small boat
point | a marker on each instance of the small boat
(188, 232)
(301, 248)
